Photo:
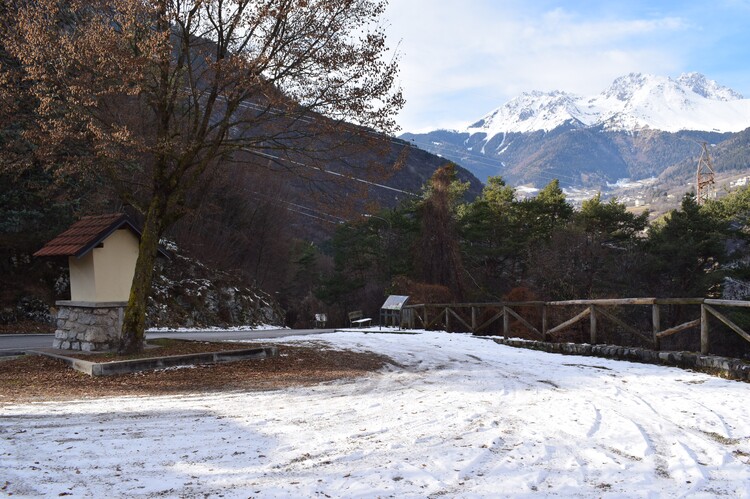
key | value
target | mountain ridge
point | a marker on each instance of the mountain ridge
(632, 102)
(637, 128)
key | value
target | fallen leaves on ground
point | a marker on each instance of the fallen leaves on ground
(36, 378)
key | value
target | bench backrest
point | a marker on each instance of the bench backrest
(357, 314)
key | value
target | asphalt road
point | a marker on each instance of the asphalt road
(16, 343)
(11, 344)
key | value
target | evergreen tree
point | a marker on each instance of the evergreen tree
(368, 254)
(548, 210)
(609, 221)
(595, 253)
(492, 239)
(686, 250)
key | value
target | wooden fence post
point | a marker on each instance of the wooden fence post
(592, 318)
(656, 325)
(704, 330)
(506, 321)
(593, 308)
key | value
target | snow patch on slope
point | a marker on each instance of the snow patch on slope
(632, 102)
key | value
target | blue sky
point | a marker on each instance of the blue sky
(462, 59)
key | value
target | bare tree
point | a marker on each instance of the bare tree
(160, 92)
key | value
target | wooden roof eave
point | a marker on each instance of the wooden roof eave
(93, 244)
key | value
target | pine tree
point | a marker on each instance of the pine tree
(686, 250)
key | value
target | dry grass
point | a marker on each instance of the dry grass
(34, 378)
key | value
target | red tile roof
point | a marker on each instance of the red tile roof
(85, 234)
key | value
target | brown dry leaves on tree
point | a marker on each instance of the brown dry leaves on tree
(162, 93)
(440, 255)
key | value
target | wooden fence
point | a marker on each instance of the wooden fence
(477, 317)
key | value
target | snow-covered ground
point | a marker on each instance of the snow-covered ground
(460, 417)
(257, 327)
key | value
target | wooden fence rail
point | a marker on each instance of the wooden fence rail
(467, 315)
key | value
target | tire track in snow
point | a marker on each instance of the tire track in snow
(455, 416)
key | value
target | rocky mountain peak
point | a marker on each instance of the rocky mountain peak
(709, 89)
(632, 102)
(625, 87)
(531, 111)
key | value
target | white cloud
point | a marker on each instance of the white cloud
(462, 59)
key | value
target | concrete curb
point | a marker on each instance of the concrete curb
(724, 367)
(152, 363)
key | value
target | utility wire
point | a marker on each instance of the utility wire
(313, 216)
(412, 144)
(330, 172)
(299, 206)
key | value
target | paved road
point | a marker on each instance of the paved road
(15, 343)
(12, 343)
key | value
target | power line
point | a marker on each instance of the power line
(301, 207)
(313, 216)
(330, 172)
(412, 144)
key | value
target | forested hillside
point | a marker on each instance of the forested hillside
(730, 156)
(257, 226)
(578, 157)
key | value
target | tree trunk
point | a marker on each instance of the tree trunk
(134, 323)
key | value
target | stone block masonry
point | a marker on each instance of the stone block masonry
(88, 326)
(722, 366)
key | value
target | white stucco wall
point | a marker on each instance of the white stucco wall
(82, 281)
(105, 274)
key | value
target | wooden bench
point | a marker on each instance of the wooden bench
(320, 320)
(357, 319)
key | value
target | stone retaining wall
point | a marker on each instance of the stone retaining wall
(88, 326)
(721, 366)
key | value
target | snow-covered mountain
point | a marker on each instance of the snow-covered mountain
(636, 128)
(632, 102)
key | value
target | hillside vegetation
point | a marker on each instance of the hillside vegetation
(498, 247)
